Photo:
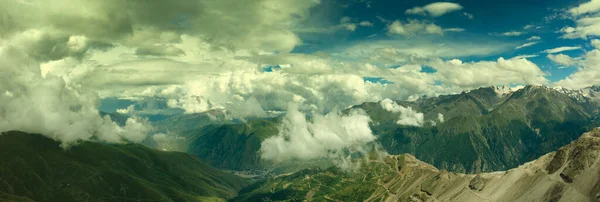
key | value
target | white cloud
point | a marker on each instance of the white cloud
(332, 136)
(147, 22)
(470, 16)
(588, 74)
(365, 24)
(440, 118)
(414, 27)
(524, 56)
(128, 110)
(51, 107)
(585, 25)
(526, 45)
(512, 33)
(584, 8)
(488, 73)
(454, 30)
(435, 9)
(595, 43)
(408, 116)
(563, 59)
(534, 38)
(528, 26)
(561, 49)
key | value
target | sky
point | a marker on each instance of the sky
(157, 58)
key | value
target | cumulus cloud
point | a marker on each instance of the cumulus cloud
(435, 9)
(128, 110)
(585, 8)
(142, 23)
(440, 118)
(586, 75)
(332, 136)
(414, 27)
(408, 116)
(595, 43)
(587, 22)
(48, 106)
(488, 73)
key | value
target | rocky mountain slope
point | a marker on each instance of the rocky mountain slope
(35, 168)
(570, 174)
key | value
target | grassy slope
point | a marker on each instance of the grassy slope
(34, 167)
(232, 146)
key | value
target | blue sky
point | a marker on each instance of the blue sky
(489, 20)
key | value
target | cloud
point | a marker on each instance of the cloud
(488, 73)
(440, 118)
(587, 21)
(595, 43)
(146, 22)
(563, 59)
(128, 110)
(413, 27)
(365, 24)
(524, 56)
(561, 49)
(408, 116)
(534, 38)
(470, 16)
(454, 30)
(586, 75)
(512, 33)
(435, 9)
(526, 45)
(332, 136)
(49, 106)
(585, 8)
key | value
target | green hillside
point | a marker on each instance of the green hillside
(232, 146)
(33, 167)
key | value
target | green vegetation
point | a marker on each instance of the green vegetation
(232, 146)
(33, 167)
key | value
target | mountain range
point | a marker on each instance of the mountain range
(486, 144)
(485, 129)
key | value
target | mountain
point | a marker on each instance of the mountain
(570, 174)
(35, 168)
(232, 146)
(484, 130)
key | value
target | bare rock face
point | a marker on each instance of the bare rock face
(477, 183)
